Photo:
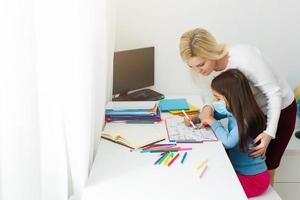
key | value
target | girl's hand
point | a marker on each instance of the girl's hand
(208, 120)
(261, 149)
(206, 111)
(193, 119)
(205, 114)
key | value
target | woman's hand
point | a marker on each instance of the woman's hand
(261, 149)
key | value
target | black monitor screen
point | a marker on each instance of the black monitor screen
(133, 69)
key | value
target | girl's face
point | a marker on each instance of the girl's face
(201, 65)
(218, 97)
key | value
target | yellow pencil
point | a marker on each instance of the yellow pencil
(191, 122)
(166, 161)
(202, 163)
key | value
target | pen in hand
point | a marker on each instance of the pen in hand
(191, 122)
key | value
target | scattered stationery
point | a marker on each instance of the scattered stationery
(139, 132)
(178, 132)
(167, 151)
(133, 135)
(173, 104)
(167, 158)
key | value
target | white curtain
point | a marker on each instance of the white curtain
(54, 57)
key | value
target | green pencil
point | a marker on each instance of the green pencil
(157, 151)
(163, 158)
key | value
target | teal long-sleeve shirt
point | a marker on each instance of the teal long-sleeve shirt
(241, 161)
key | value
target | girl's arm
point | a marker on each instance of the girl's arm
(228, 138)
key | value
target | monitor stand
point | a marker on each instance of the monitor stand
(140, 95)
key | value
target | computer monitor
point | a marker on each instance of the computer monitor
(133, 69)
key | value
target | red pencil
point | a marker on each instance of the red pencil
(201, 174)
(170, 163)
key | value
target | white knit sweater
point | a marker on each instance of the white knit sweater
(270, 90)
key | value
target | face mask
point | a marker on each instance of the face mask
(220, 107)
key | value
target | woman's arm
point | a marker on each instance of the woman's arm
(263, 78)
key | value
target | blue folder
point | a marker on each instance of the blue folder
(173, 104)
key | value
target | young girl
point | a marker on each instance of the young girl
(234, 100)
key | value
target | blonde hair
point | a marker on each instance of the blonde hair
(199, 42)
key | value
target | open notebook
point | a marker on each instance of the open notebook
(134, 135)
(179, 132)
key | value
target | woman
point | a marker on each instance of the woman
(202, 53)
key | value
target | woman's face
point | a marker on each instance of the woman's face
(201, 66)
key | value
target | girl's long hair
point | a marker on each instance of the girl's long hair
(251, 121)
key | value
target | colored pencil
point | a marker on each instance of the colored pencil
(185, 149)
(204, 169)
(168, 158)
(163, 158)
(159, 145)
(183, 158)
(191, 122)
(202, 163)
(170, 163)
(162, 155)
(157, 151)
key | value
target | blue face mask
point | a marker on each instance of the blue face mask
(220, 107)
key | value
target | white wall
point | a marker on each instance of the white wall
(271, 25)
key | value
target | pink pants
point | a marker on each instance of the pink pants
(255, 185)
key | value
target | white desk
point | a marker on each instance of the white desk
(118, 173)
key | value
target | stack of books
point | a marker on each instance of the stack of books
(139, 111)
